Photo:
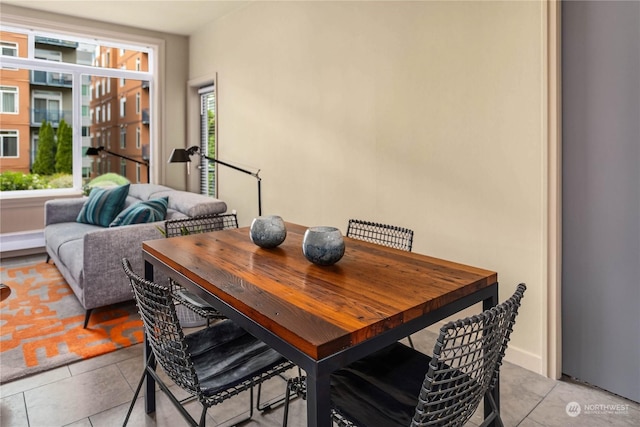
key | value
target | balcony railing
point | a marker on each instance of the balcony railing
(145, 116)
(39, 116)
(48, 78)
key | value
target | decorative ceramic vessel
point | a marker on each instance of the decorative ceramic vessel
(323, 245)
(267, 231)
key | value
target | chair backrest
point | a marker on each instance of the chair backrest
(200, 224)
(382, 234)
(163, 330)
(465, 364)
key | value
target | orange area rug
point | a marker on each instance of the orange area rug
(41, 323)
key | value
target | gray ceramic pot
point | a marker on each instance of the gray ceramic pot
(323, 245)
(268, 231)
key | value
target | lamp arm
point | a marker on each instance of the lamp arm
(195, 149)
(254, 174)
(140, 162)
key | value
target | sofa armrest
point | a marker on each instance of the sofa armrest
(103, 253)
(62, 210)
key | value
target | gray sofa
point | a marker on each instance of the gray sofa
(89, 256)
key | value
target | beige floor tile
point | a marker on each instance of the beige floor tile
(106, 359)
(13, 411)
(591, 406)
(81, 423)
(28, 383)
(77, 397)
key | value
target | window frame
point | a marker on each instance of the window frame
(153, 47)
(16, 99)
(6, 133)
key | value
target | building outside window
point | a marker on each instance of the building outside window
(41, 72)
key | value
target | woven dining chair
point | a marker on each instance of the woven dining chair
(212, 364)
(382, 234)
(195, 225)
(399, 386)
(391, 236)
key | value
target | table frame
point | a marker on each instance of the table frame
(319, 371)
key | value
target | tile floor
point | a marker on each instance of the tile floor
(97, 393)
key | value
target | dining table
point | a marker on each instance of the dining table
(321, 318)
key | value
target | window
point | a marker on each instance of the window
(47, 107)
(208, 139)
(49, 55)
(123, 137)
(66, 80)
(9, 48)
(9, 143)
(9, 99)
(138, 103)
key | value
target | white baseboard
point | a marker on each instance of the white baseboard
(22, 240)
(524, 359)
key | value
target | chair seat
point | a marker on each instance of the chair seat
(386, 384)
(193, 299)
(224, 355)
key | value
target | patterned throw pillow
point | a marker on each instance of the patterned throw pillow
(103, 205)
(150, 211)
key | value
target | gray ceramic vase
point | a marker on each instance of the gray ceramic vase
(323, 245)
(268, 231)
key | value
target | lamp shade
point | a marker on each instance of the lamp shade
(179, 155)
(94, 151)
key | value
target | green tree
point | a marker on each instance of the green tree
(45, 162)
(64, 155)
(212, 133)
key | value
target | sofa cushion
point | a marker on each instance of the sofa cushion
(57, 234)
(72, 252)
(103, 205)
(193, 204)
(146, 191)
(148, 211)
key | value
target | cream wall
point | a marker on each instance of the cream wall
(428, 115)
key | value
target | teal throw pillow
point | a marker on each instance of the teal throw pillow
(103, 205)
(150, 211)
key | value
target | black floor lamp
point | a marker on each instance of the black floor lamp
(94, 151)
(181, 155)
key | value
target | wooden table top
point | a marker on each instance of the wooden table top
(318, 309)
